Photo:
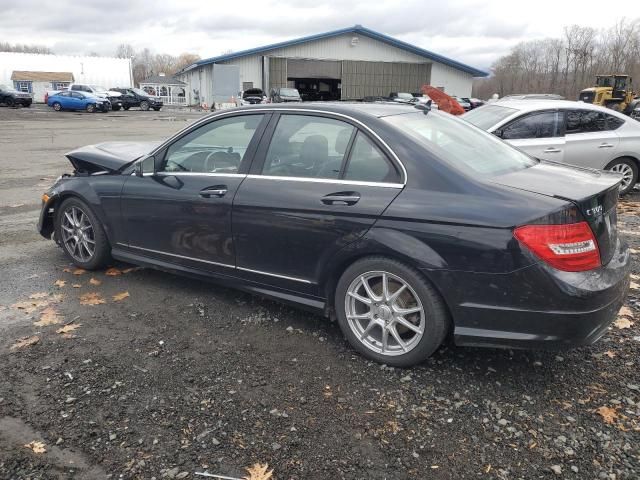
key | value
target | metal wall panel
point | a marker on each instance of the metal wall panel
(361, 79)
(298, 68)
(277, 73)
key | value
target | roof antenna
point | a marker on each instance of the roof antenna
(425, 107)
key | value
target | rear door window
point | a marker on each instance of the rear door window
(584, 121)
(368, 164)
(534, 125)
(307, 146)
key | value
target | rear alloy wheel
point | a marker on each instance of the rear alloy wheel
(57, 107)
(81, 235)
(629, 171)
(144, 105)
(91, 108)
(389, 312)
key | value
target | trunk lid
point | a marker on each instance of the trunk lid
(594, 192)
(110, 157)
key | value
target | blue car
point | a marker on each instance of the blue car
(78, 101)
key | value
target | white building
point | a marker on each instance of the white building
(351, 63)
(37, 73)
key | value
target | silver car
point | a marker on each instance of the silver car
(565, 131)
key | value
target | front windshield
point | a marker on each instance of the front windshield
(289, 92)
(461, 145)
(488, 116)
(140, 92)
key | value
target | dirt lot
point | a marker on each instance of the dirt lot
(180, 376)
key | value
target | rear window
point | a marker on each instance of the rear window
(461, 145)
(487, 116)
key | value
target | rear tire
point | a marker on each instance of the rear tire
(116, 108)
(79, 231)
(629, 169)
(126, 108)
(157, 109)
(409, 313)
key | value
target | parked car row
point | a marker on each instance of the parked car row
(95, 98)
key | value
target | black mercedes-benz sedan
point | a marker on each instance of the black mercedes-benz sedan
(407, 225)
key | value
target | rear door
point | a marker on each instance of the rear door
(539, 134)
(590, 138)
(318, 183)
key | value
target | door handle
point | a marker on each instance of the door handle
(340, 198)
(605, 145)
(217, 191)
(552, 150)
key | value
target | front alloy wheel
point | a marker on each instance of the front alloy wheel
(79, 231)
(78, 235)
(389, 312)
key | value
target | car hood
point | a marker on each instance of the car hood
(110, 156)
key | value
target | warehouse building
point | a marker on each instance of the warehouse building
(347, 64)
(36, 73)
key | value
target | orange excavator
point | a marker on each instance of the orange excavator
(445, 102)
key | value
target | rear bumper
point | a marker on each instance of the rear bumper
(538, 306)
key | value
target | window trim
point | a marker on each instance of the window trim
(273, 112)
(561, 123)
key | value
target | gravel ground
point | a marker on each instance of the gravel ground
(183, 376)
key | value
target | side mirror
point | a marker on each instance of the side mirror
(146, 166)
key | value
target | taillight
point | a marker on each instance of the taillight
(570, 247)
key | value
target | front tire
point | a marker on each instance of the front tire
(144, 105)
(629, 171)
(389, 312)
(79, 231)
(57, 106)
(91, 108)
(157, 109)
(10, 102)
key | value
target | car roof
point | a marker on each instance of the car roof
(346, 108)
(542, 104)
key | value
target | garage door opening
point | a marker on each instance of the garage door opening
(316, 89)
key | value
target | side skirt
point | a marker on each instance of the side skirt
(313, 304)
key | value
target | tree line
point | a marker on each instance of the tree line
(144, 63)
(567, 64)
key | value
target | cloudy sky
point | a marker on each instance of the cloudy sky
(472, 31)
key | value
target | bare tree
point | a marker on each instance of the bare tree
(565, 65)
(23, 48)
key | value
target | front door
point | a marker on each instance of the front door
(182, 212)
(318, 185)
(538, 134)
